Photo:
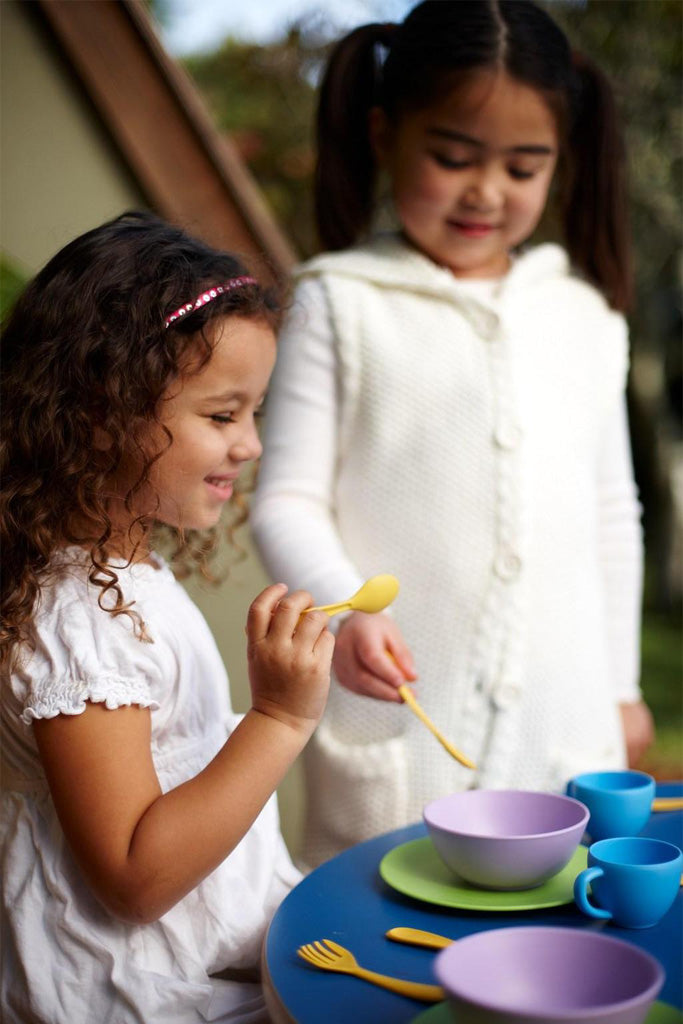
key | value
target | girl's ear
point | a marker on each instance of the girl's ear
(379, 131)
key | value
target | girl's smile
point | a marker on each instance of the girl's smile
(470, 174)
(471, 230)
(222, 487)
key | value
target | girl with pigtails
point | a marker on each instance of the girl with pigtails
(448, 405)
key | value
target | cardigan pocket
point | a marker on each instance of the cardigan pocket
(353, 792)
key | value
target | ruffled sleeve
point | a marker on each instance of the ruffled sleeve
(83, 654)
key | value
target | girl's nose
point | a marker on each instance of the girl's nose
(248, 446)
(483, 190)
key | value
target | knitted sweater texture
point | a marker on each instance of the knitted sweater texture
(475, 444)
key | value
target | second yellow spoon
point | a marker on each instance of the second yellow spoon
(418, 937)
(375, 595)
(408, 697)
(667, 803)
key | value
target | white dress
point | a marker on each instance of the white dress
(65, 959)
(471, 439)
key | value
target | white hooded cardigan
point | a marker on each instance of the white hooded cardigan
(474, 443)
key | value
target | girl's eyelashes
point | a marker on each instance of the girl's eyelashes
(230, 418)
(518, 173)
(450, 164)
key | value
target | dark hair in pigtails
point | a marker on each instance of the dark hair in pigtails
(437, 45)
(595, 203)
(345, 171)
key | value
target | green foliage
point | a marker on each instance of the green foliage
(662, 683)
(12, 283)
(263, 97)
(637, 43)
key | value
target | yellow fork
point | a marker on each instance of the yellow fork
(330, 956)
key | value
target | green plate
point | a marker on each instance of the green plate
(416, 870)
(660, 1013)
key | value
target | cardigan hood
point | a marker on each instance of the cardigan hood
(387, 261)
(539, 283)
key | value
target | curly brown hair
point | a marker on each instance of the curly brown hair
(85, 353)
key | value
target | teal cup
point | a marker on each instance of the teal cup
(633, 881)
(619, 802)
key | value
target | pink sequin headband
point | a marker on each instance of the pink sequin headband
(208, 296)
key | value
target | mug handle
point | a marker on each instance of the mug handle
(570, 788)
(581, 883)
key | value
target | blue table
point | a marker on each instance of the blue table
(346, 900)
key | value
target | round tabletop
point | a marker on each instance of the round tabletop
(347, 901)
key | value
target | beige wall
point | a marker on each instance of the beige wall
(60, 173)
(60, 177)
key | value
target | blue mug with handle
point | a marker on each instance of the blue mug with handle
(633, 880)
(619, 802)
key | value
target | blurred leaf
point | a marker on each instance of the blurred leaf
(12, 283)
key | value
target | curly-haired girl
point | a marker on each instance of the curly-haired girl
(141, 849)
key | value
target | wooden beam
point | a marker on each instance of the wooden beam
(192, 175)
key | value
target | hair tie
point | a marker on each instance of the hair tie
(383, 42)
(208, 296)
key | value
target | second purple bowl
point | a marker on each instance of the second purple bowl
(505, 838)
(539, 975)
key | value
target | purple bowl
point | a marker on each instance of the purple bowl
(549, 975)
(505, 838)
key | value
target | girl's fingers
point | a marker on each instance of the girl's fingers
(403, 659)
(369, 685)
(261, 611)
(309, 628)
(381, 665)
(286, 615)
(324, 643)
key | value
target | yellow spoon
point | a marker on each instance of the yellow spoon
(375, 595)
(407, 694)
(667, 803)
(409, 698)
(418, 937)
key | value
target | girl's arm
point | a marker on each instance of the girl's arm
(621, 552)
(292, 513)
(143, 850)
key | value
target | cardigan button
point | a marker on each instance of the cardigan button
(507, 694)
(484, 322)
(507, 435)
(508, 564)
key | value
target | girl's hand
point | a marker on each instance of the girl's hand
(289, 658)
(639, 730)
(361, 662)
